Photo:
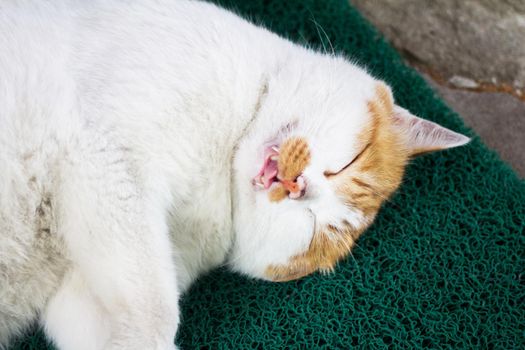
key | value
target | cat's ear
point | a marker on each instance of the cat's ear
(423, 136)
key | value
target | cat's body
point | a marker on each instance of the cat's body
(126, 163)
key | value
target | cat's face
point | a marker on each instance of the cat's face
(324, 153)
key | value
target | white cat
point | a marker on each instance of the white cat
(143, 143)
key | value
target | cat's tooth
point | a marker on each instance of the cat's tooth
(275, 149)
(274, 158)
(260, 185)
(300, 181)
(294, 195)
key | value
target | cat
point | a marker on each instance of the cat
(143, 143)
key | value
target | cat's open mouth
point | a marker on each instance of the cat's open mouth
(293, 187)
(269, 170)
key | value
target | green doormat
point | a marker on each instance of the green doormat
(442, 267)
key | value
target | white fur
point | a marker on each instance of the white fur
(129, 134)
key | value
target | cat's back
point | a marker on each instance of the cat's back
(36, 102)
(151, 70)
(113, 64)
(38, 113)
(37, 95)
(37, 105)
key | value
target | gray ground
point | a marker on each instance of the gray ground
(474, 54)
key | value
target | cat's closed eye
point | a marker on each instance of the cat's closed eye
(332, 173)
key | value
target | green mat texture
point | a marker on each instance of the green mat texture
(443, 266)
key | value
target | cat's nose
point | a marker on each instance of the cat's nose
(297, 188)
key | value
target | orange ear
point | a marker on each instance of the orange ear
(423, 136)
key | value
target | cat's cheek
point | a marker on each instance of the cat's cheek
(268, 235)
(328, 246)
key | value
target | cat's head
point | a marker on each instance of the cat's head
(328, 147)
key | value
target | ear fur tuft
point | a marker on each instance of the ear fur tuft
(423, 136)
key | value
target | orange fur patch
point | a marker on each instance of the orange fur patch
(277, 193)
(379, 170)
(294, 157)
(364, 186)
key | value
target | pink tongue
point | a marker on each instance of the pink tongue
(270, 173)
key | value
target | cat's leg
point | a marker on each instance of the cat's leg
(117, 239)
(74, 319)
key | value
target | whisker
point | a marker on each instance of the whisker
(319, 35)
(355, 260)
(318, 26)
